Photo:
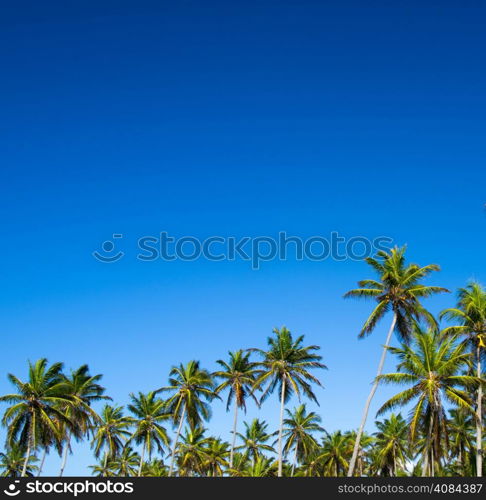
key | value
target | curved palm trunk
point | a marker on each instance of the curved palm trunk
(64, 458)
(479, 415)
(280, 430)
(27, 456)
(105, 461)
(41, 466)
(233, 444)
(172, 458)
(142, 456)
(295, 459)
(352, 464)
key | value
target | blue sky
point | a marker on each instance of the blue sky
(239, 118)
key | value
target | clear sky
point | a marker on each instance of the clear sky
(229, 118)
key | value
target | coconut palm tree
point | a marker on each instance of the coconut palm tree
(299, 427)
(261, 467)
(461, 440)
(432, 367)
(12, 462)
(392, 445)
(470, 313)
(215, 457)
(148, 412)
(191, 388)
(111, 433)
(191, 451)
(238, 375)
(286, 364)
(126, 463)
(83, 389)
(335, 453)
(398, 290)
(35, 415)
(255, 439)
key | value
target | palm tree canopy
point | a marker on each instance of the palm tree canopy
(238, 375)
(286, 359)
(432, 367)
(470, 313)
(299, 427)
(398, 289)
(111, 432)
(192, 389)
(37, 407)
(148, 412)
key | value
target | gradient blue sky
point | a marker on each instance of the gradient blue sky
(229, 118)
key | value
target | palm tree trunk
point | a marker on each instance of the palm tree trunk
(235, 423)
(64, 458)
(294, 463)
(479, 415)
(280, 430)
(352, 463)
(142, 456)
(105, 461)
(172, 459)
(41, 466)
(27, 456)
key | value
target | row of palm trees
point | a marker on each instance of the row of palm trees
(439, 371)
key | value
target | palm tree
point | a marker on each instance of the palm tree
(155, 468)
(255, 438)
(334, 454)
(461, 439)
(286, 364)
(398, 290)
(431, 365)
(12, 462)
(192, 388)
(238, 376)
(215, 457)
(471, 315)
(392, 445)
(35, 415)
(126, 464)
(149, 412)
(111, 433)
(191, 451)
(261, 467)
(298, 429)
(83, 389)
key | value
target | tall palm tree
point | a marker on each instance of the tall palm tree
(238, 375)
(255, 439)
(392, 445)
(286, 364)
(148, 412)
(299, 427)
(398, 290)
(432, 367)
(12, 462)
(111, 433)
(471, 315)
(35, 415)
(191, 388)
(83, 389)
